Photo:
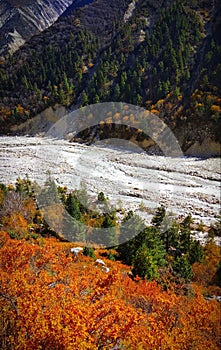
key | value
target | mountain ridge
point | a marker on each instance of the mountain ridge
(20, 20)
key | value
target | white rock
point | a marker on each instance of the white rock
(105, 269)
(101, 262)
(76, 250)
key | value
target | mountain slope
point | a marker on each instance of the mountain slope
(164, 56)
(19, 20)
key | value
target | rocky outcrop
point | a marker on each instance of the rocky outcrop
(19, 20)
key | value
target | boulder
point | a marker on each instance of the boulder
(100, 262)
(76, 250)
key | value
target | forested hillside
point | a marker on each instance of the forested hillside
(164, 56)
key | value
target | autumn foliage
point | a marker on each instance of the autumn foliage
(50, 298)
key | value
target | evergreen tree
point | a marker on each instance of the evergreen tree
(131, 226)
(72, 206)
(89, 251)
(101, 197)
(84, 99)
(159, 216)
(196, 252)
(108, 221)
(144, 264)
(116, 95)
(96, 98)
(182, 266)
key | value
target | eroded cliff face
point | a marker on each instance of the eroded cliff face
(19, 20)
(208, 148)
(41, 123)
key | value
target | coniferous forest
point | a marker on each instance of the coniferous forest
(165, 57)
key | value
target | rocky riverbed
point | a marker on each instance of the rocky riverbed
(130, 178)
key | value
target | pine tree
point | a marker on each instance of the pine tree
(96, 99)
(159, 216)
(116, 95)
(72, 206)
(182, 266)
(84, 99)
(144, 264)
(196, 252)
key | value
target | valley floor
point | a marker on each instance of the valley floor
(129, 178)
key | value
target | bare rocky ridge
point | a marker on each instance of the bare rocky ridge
(19, 20)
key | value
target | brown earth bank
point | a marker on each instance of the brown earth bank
(195, 144)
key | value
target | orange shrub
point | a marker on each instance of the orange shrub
(51, 299)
